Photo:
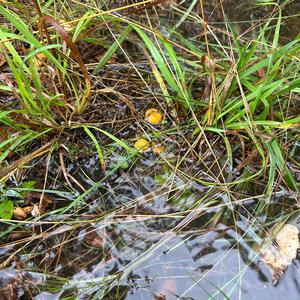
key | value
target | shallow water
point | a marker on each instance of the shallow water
(160, 247)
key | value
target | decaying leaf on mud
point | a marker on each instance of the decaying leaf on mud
(93, 239)
(279, 254)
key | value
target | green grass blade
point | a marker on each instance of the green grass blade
(112, 49)
(98, 148)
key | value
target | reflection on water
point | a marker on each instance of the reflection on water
(171, 239)
(165, 243)
(159, 248)
(207, 266)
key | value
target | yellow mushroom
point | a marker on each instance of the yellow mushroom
(158, 148)
(141, 145)
(39, 59)
(153, 116)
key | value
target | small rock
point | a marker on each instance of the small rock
(19, 213)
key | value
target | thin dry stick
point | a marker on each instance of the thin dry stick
(7, 171)
(67, 175)
(63, 168)
(45, 181)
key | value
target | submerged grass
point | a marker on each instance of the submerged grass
(231, 105)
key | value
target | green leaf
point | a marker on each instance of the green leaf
(28, 184)
(99, 151)
(6, 209)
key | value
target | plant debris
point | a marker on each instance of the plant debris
(279, 254)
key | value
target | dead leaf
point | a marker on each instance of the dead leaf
(17, 235)
(278, 255)
(2, 59)
(43, 22)
(94, 240)
(45, 201)
(35, 211)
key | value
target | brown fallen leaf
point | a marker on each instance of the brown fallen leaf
(45, 201)
(94, 240)
(280, 254)
(2, 59)
(17, 235)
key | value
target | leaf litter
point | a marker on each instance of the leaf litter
(279, 253)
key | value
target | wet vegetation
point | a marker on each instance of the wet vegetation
(148, 149)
